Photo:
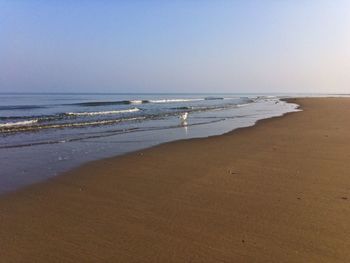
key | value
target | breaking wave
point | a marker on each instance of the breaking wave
(18, 123)
(126, 102)
(102, 112)
(109, 103)
(27, 127)
(75, 117)
(173, 100)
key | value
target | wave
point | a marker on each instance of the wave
(213, 98)
(109, 103)
(173, 100)
(24, 128)
(138, 101)
(40, 118)
(126, 102)
(21, 107)
(103, 134)
(102, 112)
(79, 118)
(18, 123)
(182, 108)
(59, 116)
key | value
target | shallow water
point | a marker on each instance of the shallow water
(44, 135)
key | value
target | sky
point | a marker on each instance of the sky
(175, 46)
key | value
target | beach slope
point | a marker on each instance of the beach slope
(275, 192)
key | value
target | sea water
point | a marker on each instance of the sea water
(42, 135)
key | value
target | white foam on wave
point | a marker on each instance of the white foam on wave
(173, 100)
(72, 125)
(102, 112)
(136, 101)
(18, 123)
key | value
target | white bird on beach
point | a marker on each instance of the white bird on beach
(183, 116)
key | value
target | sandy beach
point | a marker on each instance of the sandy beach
(275, 192)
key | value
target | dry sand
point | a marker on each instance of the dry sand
(277, 192)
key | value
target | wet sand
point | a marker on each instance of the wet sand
(275, 192)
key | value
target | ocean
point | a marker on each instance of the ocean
(42, 135)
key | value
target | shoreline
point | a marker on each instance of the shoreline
(259, 192)
(61, 171)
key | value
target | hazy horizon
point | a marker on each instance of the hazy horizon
(175, 47)
(166, 93)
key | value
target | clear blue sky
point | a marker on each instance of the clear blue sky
(175, 46)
